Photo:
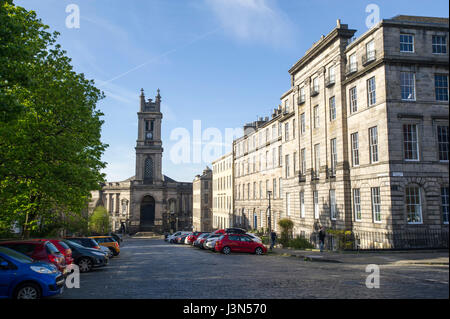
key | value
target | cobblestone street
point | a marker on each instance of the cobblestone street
(152, 268)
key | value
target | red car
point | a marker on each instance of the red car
(239, 243)
(193, 237)
(41, 250)
(63, 249)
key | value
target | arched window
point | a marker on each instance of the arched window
(148, 170)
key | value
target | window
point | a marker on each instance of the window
(302, 95)
(353, 100)
(286, 106)
(441, 87)
(303, 155)
(267, 159)
(333, 211)
(316, 204)
(376, 204)
(293, 128)
(302, 123)
(331, 74)
(274, 188)
(254, 190)
(439, 44)
(316, 160)
(410, 142)
(286, 132)
(353, 65)
(316, 116)
(260, 190)
(274, 157)
(373, 144)
(280, 127)
(370, 51)
(302, 205)
(406, 43)
(332, 108)
(280, 189)
(316, 85)
(355, 149)
(371, 91)
(413, 205)
(267, 188)
(443, 142)
(295, 162)
(148, 170)
(333, 149)
(408, 86)
(280, 156)
(274, 131)
(445, 204)
(248, 191)
(357, 204)
(287, 162)
(288, 204)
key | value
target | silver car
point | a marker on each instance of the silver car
(210, 242)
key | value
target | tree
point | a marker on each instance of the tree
(99, 221)
(286, 230)
(50, 147)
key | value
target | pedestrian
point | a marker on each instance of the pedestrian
(322, 235)
(273, 238)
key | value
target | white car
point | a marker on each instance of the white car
(170, 238)
(210, 242)
(254, 237)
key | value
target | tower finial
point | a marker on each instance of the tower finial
(158, 95)
(142, 92)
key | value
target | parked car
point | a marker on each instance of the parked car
(210, 242)
(180, 238)
(171, 238)
(63, 249)
(87, 258)
(85, 241)
(193, 237)
(238, 243)
(21, 277)
(41, 250)
(254, 237)
(200, 239)
(186, 239)
(106, 251)
(109, 243)
(117, 237)
(235, 231)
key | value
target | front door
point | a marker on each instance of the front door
(147, 213)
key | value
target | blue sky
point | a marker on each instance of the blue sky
(223, 62)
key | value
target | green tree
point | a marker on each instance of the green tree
(50, 147)
(287, 226)
(99, 221)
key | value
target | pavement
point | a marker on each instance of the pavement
(412, 257)
(154, 269)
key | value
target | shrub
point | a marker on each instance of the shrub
(300, 243)
(99, 221)
(286, 231)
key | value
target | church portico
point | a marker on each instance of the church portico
(148, 201)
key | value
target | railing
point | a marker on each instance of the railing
(314, 91)
(301, 178)
(301, 100)
(351, 68)
(370, 56)
(330, 81)
(398, 240)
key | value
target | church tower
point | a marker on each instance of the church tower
(149, 145)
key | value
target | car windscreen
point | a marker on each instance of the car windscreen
(63, 245)
(74, 244)
(51, 249)
(19, 257)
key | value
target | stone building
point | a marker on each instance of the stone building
(223, 192)
(360, 141)
(148, 201)
(202, 201)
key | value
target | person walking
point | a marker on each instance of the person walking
(322, 235)
(273, 238)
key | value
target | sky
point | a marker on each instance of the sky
(218, 63)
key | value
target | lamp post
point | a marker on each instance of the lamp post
(269, 193)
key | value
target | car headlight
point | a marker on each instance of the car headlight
(42, 270)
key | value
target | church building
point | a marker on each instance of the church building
(148, 201)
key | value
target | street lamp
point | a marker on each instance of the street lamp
(269, 193)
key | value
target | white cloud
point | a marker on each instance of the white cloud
(253, 20)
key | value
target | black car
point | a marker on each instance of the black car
(86, 258)
(84, 241)
(117, 237)
(235, 231)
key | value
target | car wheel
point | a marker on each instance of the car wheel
(258, 251)
(28, 291)
(226, 250)
(85, 264)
